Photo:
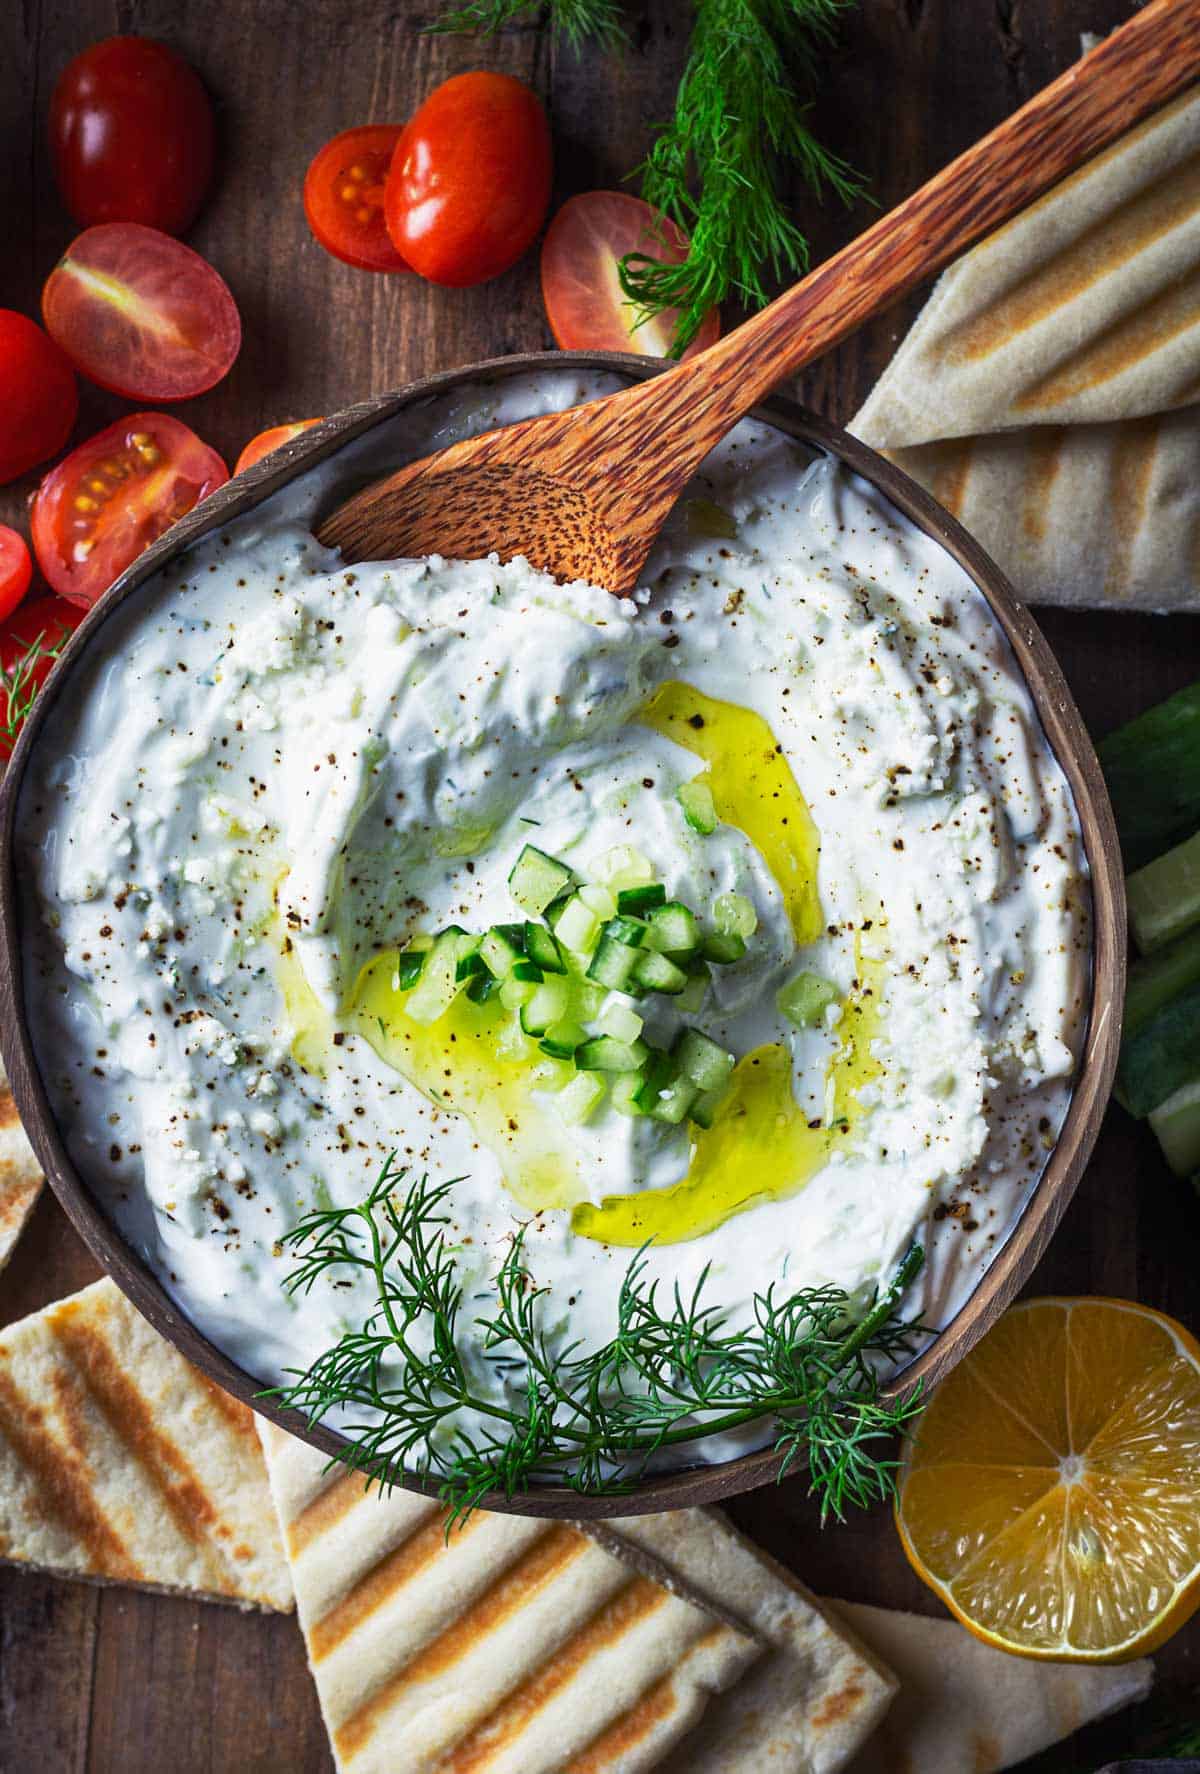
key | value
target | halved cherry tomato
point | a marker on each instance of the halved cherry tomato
(269, 440)
(16, 570)
(114, 496)
(38, 396)
(581, 287)
(470, 180)
(141, 313)
(29, 643)
(132, 135)
(343, 197)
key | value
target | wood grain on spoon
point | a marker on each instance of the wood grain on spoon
(583, 494)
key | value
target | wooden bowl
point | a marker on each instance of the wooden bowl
(1067, 737)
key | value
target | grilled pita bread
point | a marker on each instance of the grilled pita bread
(511, 1646)
(817, 1694)
(1049, 391)
(20, 1174)
(120, 1462)
(963, 1704)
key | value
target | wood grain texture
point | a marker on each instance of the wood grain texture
(130, 1685)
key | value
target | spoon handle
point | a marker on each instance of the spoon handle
(688, 409)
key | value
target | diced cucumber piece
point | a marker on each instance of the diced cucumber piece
(536, 879)
(604, 1054)
(483, 986)
(513, 1043)
(630, 930)
(577, 927)
(734, 915)
(1154, 981)
(1176, 1124)
(439, 984)
(541, 946)
(673, 929)
(657, 973)
(674, 1100)
(1160, 1056)
(1164, 897)
(589, 999)
(601, 900)
(635, 902)
(658, 1073)
(548, 1005)
(704, 1110)
(723, 947)
(804, 999)
(690, 1001)
(501, 949)
(622, 866)
(620, 1021)
(709, 522)
(562, 1040)
(625, 1087)
(470, 961)
(699, 808)
(409, 965)
(580, 1098)
(515, 992)
(613, 963)
(702, 1060)
(528, 970)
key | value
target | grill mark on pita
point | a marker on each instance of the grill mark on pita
(559, 1547)
(949, 469)
(388, 1575)
(1046, 448)
(325, 1511)
(1130, 469)
(237, 1415)
(132, 1420)
(1120, 347)
(517, 1710)
(1102, 250)
(606, 1750)
(63, 1481)
(838, 1705)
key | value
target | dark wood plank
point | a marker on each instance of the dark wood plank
(109, 1681)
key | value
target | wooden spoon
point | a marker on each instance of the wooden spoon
(583, 493)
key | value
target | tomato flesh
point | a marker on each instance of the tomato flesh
(114, 496)
(141, 314)
(28, 643)
(343, 197)
(16, 570)
(581, 287)
(269, 440)
(132, 136)
(38, 396)
(470, 180)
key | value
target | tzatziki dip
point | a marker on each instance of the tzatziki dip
(744, 922)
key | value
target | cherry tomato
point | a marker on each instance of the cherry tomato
(581, 287)
(131, 135)
(38, 397)
(141, 314)
(16, 570)
(343, 197)
(269, 440)
(29, 643)
(470, 180)
(114, 496)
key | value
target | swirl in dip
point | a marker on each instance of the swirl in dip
(276, 773)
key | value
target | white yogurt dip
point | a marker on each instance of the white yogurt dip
(278, 768)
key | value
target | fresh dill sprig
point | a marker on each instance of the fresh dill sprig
(488, 1399)
(21, 681)
(577, 20)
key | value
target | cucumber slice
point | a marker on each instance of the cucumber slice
(1152, 767)
(803, 1000)
(439, 984)
(603, 1054)
(699, 808)
(536, 879)
(528, 970)
(674, 1100)
(470, 961)
(704, 1110)
(577, 927)
(690, 1001)
(483, 986)
(542, 946)
(657, 973)
(628, 930)
(580, 1098)
(548, 1005)
(701, 1059)
(410, 963)
(1161, 977)
(601, 900)
(613, 964)
(1160, 1056)
(1164, 897)
(515, 992)
(625, 1088)
(562, 1040)
(501, 948)
(635, 902)
(734, 915)
(1176, 1124)
(723, 948)
(620, 1021)
(673, 929)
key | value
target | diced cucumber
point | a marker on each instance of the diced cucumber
(690, 1001)
(563, 1039)
(734, 915)
(1160, 1056)
(513, 1043)
(580, 1098)
(439, 985)
(604, 1054)
(1154, 981)
(1152, 767)
(704, 1110)
(470, 961)
(699, 808)
(708, 522)
(589, 999)
(658, 1074)
(1164, 897)
(635, 902)
(702, 1060)
(548, 1005)
(409, 965)
(722, 947)
(657, 973)
(804, 999)
(620, 1021)
(483, 986)
(673, 929)
(501, 949)
(629, 930)
(674, 1100)
(541, 946)
(613, 963)
(577, 927)
(601, 900)
(625, 1088)
(622, 866)
(515, 992)
(528, 970)
(1176, 1124)
(536, 879)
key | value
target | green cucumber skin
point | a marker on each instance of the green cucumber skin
(1176, 1124)
(1152, 768)
(1164, 897)
(1161, 1055)
(1159, 977)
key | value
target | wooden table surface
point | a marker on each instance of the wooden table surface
(110, 1680)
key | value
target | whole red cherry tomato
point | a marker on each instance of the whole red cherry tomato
(343, 197)
(38, 396)
(470, 179)
(132, 135)
(16, 570)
